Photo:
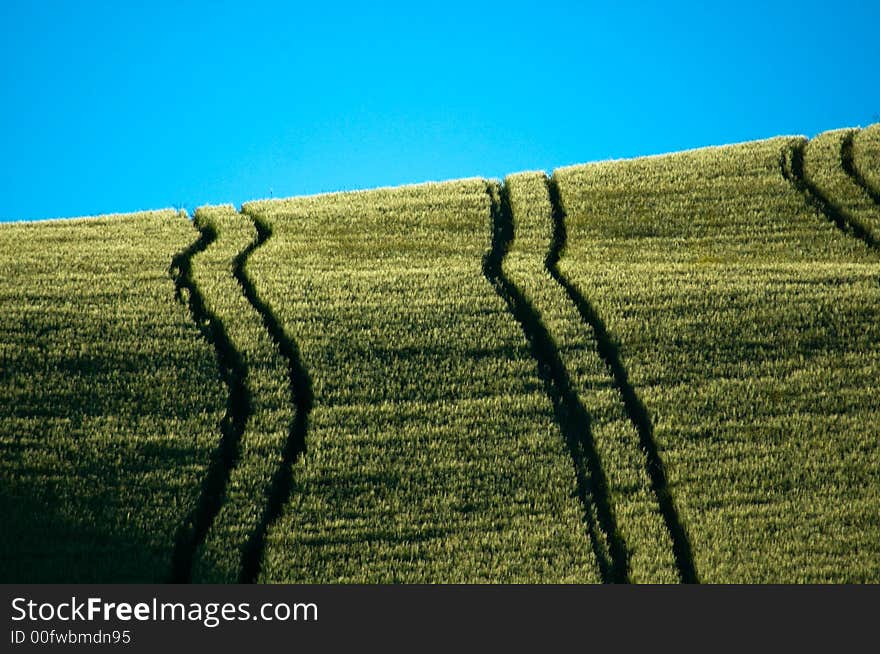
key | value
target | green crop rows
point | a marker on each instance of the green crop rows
(654, 370)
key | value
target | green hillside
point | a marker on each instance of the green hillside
(662, 369)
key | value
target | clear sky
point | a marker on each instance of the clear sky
(120, 106)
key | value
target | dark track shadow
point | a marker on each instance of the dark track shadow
(233, 371)
(573, 419)
(791, 164)
(302, 398)
(848, 164)
(635, 409)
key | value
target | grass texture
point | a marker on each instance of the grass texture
(748, 322)
(109, 399)
(661, 369)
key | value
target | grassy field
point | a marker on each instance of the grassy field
(654, 370)
(259, 414)
(432, 453)
(748, 324)
(109, 399)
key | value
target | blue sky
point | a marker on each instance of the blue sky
(108, 106)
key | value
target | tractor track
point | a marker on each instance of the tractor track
(233, 371)
(792, 166)
(635, 408)
(847, 162)
(572, 417)
(300, 385)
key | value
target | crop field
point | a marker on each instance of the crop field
(655, 370)
(747, 323)
(110, 399)
(428, 457)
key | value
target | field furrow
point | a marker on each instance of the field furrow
(192, 531)
(261, 412)
(433, 454)
(837, 194)
(748, 326)
(109, 399)
(572, 417)
(792, 167)
(848, 163)
(866, 158)
(301, 398)
(624, 434)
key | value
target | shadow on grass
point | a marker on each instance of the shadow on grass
(301, 397)
(233, 371)
(88, 525)
(791, 164)
(573, 419)
(635, 409)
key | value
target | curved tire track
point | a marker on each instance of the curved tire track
(301, 397)
(792, 166)
(635, 409)
(233, 372)
(847, 162)
(573, 418)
